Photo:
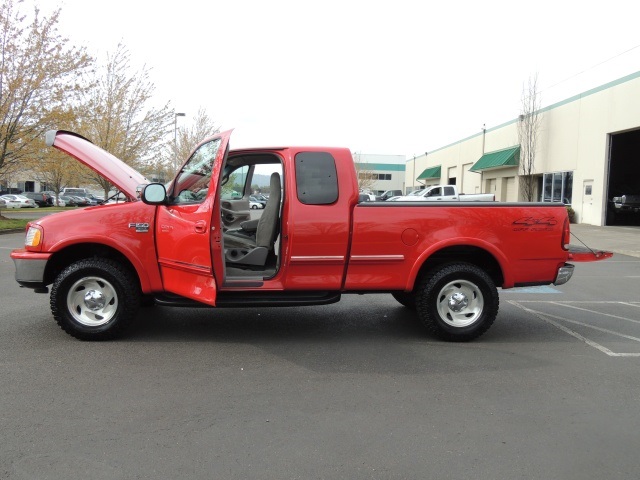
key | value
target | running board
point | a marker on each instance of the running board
(253, 299)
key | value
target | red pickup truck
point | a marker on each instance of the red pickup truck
(194, 243)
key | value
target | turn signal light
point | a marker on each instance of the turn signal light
(34, 237)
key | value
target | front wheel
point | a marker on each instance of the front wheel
(95, 299)
(457, 302)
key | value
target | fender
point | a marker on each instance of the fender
(461, 242)
(149, 281)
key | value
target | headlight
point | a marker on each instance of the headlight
(34, 237)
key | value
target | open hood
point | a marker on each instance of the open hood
(121, 175)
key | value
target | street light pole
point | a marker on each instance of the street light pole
(175, 139)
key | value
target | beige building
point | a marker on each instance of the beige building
(588, 151)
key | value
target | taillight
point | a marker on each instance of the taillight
(566, 234)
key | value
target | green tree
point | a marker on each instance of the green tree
(118, 115)
(41, 77)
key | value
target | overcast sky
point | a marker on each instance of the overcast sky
(395, 77)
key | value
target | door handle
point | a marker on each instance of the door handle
(200, 226)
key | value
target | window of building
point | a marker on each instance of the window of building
(374, 176)
(557, 187)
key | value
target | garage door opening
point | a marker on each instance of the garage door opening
(623, 206)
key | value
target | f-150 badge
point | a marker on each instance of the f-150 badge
(140, 227)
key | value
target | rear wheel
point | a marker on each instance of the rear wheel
(95, 299)
(457, 302)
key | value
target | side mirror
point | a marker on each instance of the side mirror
(154, 194)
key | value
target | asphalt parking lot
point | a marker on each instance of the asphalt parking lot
(351, 390)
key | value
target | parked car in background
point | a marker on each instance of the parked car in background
(90, 200)
(69, 200)
(58, 201)
(10, 202)
(445, 193)
(366, 197)
(80, 201)
(388, 194)
(95, 200)
(42, 199)
(74, 191)
(21, 200)
(624, 209)
(257, 202)
(3, 203)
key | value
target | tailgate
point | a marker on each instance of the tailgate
(579, 253)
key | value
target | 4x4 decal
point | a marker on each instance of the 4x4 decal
(532, 224)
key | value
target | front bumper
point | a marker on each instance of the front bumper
(30, 268)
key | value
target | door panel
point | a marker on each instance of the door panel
(234, 212)
(184, 226)
(234, 198)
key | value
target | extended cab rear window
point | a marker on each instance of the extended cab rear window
(316, 178)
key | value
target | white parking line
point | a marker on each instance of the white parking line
(548, 318)
(637, 305)
(592, 311)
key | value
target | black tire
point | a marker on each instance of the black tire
(408, 299)
(457, 302)
(111, 308)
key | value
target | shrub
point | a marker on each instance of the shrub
(572, 215)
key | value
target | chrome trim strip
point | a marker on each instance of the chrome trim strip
(377, 258)
(318, 259)
(185, 267)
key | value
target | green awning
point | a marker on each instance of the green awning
(432, 172)
(509, 157)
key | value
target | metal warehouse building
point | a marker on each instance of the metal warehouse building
(588, 151)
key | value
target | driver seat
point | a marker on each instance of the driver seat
(254, 240)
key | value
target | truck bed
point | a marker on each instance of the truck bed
(395, 236)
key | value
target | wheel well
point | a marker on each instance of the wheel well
(463, 253)
(71, 254)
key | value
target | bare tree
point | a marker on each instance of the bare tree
(188, 137)
(117, 115)
(366, 178)
(528, 133)
(55, 169)
(40, 77)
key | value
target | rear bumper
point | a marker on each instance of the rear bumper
(564, 274)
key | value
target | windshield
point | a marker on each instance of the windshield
(192, 183)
